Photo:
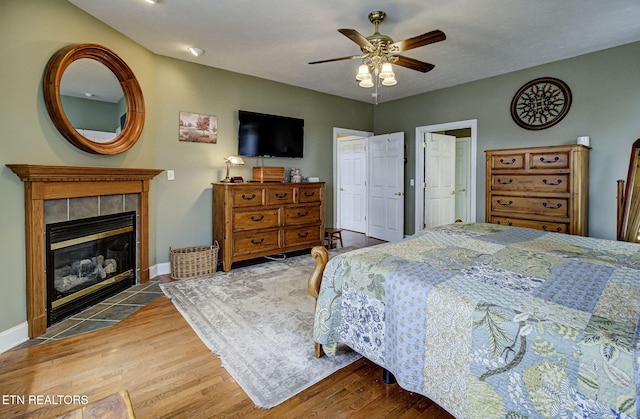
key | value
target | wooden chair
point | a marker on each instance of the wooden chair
(332, 236)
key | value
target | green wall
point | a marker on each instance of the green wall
(93, 114)
(184, 205)
(606, 106)
(180, 211)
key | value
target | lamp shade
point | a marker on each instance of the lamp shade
(386, 71)
(389, 81)
(363, 73)
(235, 160)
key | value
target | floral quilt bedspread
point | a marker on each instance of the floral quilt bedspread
(492, 321)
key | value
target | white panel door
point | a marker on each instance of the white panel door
(352, 183)
(440, 177)
(386, 187)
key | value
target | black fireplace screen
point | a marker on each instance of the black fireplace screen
(88, 260)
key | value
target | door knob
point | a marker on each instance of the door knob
(398, 194)
(453, 192)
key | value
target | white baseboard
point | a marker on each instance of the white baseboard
(14, 336)
(159, 269)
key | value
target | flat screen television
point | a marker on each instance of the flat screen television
(269, 135)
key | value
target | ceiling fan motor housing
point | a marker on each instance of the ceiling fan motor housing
(378, 39)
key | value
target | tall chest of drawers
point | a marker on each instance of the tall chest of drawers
(545, 188)
(261, 219)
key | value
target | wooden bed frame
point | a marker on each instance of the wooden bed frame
(321, 256)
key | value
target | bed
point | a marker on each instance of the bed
(492, 321)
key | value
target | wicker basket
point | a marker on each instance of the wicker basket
(190, 262)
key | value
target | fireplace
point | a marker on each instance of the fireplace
(43, 183)
(88, 260)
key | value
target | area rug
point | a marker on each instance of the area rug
(259, 320)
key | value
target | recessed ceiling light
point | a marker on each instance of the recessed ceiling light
(196, 51)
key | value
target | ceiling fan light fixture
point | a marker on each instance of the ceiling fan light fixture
(366, 83)
(387, 71)
(363, 73)
(151, 1)
(389, 81)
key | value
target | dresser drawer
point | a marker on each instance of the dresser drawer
(552, 160)
(302, 215)
(247, 197)
(508, 161)
(530, 205)
(538, 225)
(538, 183)
(298, 236)
(256, 219)
(310, 194)
(280, 195)
(255, 242)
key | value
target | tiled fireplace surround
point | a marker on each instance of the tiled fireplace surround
(63, 193)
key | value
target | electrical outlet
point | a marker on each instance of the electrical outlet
(171, 175)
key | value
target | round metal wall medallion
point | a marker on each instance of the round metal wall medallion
(541, 103)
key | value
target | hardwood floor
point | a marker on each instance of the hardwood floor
(155, 355)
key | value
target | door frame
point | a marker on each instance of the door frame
(337, 133)
(419, 163)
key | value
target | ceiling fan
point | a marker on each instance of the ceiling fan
(379, 49)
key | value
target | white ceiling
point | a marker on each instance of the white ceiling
(276, 39)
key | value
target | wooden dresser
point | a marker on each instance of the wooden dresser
(261, 219)
(545, 188)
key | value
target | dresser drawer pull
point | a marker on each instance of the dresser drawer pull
(499, 201)
(551, 183)
(509, 223)
(507, 162)
(505, 182)
(303, 214)
(559, 205)
(247, 197)
(257, 241)
(281, 196)
(256, 219)
(555, 159)
(303, 236)
(307, 193)
(558, 230)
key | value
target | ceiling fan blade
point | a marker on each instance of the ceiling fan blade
(356, 37)
(413, 64)
(350, 57)
(420, 40)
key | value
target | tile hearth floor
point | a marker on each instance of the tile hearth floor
(103, 314)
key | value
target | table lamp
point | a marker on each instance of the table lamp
(232, 160)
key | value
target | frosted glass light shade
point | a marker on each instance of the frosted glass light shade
(366, 83)
(386, 71)
(363, 73)
(389, 81)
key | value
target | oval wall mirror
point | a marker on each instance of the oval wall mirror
(94, 99)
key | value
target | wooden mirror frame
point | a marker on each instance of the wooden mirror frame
(134, 100)
(629, 199)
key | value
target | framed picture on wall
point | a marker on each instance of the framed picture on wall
(198, 128)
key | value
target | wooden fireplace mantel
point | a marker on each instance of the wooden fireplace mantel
(45, 182)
